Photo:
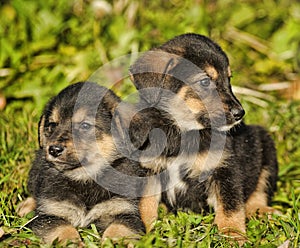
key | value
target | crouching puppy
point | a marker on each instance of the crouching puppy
(211, 157)
(77, 177)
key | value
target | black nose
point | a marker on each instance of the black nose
(238, 113)
(56, 150)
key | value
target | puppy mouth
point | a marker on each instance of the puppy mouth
(220, 124)
(226, 128)
(63, 165)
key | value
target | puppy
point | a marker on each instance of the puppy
(78, 177)
(210, 158)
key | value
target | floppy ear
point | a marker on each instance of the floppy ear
(120, 132)
(41, 131)
(129, 129)
(112, 102)
(156, 64)
(151, 71)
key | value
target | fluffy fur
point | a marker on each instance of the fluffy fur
(77, 177)
(210, 157)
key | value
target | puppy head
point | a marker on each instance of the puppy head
(197, 71)
(76, 123)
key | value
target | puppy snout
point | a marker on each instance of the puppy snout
(55, 150)
(238, 113)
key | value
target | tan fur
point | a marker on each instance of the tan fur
(111, 207)
(71, 149)
(63, 234)
(64, 209)
(80, 217)
(232, 224)
(55, 115)
(148, 205)
(116, 231)
(99, 156)
(184, 118)
(258, 199)
(26, 206)
(106, 146)
(207, 160)
(148, 209)
(195, 105)
(156, 165)
(79, 115)
(182, 92)
(212, 72)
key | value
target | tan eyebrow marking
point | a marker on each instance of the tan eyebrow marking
(79, 116)
(54, 117)
(212, 72)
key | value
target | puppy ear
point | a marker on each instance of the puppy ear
(111, 100)
(151, 71)
(120, 130)
(41, 131)
(156, 63)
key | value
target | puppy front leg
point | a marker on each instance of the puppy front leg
(232, 222)
(258, 200)
(149, 211)
(50, 228)
(226, 197)
(149, 203)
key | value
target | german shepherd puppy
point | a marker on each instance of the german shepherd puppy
(209, 157)
(77, 177)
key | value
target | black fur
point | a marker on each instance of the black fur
(64, 194)
(244, 177)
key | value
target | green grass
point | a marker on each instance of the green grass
(46, 45)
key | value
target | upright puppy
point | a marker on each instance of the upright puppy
(77, 177)
(210, 158)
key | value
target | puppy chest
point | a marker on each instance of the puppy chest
(193, 197)
(182, 187)
(81, 216)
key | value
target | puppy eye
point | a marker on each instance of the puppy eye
(85, 126)
(51, 126)
(205, 82)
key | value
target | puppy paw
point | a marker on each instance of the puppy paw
(119, 231)
(232, 225)
(234, 236)
(26, 206)
(269, 210)
(64, 234)
(264, 210)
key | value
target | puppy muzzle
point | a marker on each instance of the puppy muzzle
(238, 113)
(55, 150)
